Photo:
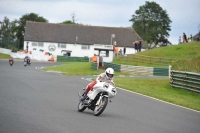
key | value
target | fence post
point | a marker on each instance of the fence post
(170, 70)
(150, 60)
(97, 62)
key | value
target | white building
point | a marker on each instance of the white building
(78, 40)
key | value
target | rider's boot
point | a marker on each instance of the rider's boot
(83, 96)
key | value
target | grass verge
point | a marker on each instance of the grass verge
(161, 89)
(4, 56)
(186, 54)
(77, 69)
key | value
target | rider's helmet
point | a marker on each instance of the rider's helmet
(109, 72)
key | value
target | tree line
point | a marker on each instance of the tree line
(150, 21)
(14, 30)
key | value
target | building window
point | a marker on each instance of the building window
(85, 46)
(62, 45)
(40, 44)
(34, 44)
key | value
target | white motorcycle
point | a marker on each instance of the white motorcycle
(97, 98)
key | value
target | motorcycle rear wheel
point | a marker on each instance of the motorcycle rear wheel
(101, 107)
(81, 106)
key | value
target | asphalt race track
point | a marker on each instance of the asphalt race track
(34, 101)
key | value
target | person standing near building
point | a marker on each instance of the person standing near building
(184, 38)
(165, 41)
(116, 50)
(94, 58)
(140, 45)
(124, 50)
(179, 40)
(191, 38)
(136, 46)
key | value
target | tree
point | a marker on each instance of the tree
(68, 22)
(8, 33)
(73, 15)
(7, 28)
(22, 22)
(151, 22)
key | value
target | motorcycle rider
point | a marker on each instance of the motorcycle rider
(106, 76)
(27, 58)
(11, 58)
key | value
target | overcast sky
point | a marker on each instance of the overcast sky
(185, 14)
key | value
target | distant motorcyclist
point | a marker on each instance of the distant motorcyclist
(27, 59)
(11, 61)
(105, 77)
(11, 58)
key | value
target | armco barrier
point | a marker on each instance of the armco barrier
(72, 59)
(94, 66)
(185, 80)
(116, 67)
(139, 70)
(160, 71)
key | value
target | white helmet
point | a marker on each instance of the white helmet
(109, 72)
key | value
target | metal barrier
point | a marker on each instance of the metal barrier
(72, 59)
(185, 80)
(139, 70)
(94, 66)
(116, 67)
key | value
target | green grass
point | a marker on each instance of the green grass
(189, 65)
(77, 69)
(74, 69)
(4, 56)
(181, 51)
(160, 89)
(187, 56)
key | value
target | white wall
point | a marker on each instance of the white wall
(130, 50)
(5, 51)
(110, 58)
(20, 55)
(76, 49)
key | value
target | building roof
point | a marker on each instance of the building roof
(79, 34)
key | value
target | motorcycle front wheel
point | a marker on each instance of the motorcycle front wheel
(81, 106)
(101, 107)
(11, 63)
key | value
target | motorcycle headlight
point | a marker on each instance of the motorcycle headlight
(114, 90)
(106, 86)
